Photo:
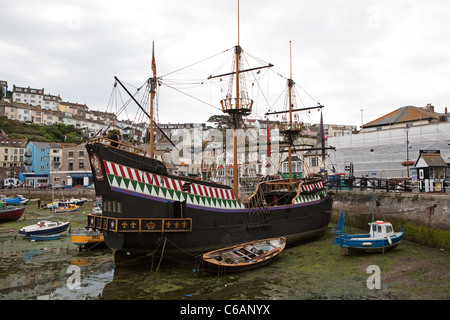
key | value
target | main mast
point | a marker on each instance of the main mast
(152, 99)
(238, 51)
(237, 107)
(290, 129)
(290, 84)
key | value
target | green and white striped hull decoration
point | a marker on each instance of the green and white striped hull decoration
(304, 198)
(143, 183)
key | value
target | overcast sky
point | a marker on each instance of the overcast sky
(349, 55)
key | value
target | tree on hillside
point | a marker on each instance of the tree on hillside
(221, 121)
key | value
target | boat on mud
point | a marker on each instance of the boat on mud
(86, 238)
(44, 227)
(243, 257)
(10, 212)
(45, 237)
(381, 236)
(145, 206)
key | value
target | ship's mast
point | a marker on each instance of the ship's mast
(289, 128)
(152, 99)
(237, 107)
(290, 84)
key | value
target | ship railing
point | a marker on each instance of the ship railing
(232, 104)
(257, 200)
(299, 190)
(119, 145)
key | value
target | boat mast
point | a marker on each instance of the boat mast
(241, 107)
(290, 84)
(237, 106)
(152, 98)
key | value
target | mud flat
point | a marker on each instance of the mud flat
(309, 271)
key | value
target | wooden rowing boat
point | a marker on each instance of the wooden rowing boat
(243, 256)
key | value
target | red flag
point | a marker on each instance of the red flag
(153, 61)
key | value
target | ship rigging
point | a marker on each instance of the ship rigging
(145, 205)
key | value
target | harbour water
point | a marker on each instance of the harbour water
(57, 270)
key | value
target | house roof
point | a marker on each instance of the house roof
(403, 115)
(430, 160)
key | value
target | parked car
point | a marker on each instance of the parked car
(44, 185)
(57, 186)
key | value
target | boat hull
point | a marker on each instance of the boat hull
(145, 210)
(72, 208)
(87, 238)
(364, 243)
(34, 230)
(45, 237)
(228, 260)
(11, 213)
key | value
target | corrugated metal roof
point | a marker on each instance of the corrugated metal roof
(434, 160)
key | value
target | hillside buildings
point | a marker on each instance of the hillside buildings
(387, 147)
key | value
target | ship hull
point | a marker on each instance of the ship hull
(147, 211)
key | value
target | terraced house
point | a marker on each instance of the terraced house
(12, 156)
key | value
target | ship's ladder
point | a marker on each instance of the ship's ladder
(258, 213)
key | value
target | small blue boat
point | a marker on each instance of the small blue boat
(380, 238)
(45, 237)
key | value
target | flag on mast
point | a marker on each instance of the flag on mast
(153, 60)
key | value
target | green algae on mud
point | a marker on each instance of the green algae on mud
(314, 270)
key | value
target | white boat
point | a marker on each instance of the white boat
(44, 227)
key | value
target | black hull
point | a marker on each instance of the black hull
(140, 204)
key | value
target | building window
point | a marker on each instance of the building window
(313, 162)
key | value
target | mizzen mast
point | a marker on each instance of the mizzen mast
(291, 129)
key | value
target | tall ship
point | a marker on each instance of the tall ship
(146, 210)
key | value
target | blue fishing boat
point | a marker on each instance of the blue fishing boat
(380, 238)
(45, 237)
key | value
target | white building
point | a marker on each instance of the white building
(380, 154)
(32, 96)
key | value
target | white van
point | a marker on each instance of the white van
(11, 182)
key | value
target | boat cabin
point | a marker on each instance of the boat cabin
(381, 229)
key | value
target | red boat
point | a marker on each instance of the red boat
(10, 213)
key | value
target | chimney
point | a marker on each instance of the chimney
(430, 107)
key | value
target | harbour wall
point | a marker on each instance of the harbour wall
(424, 216)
